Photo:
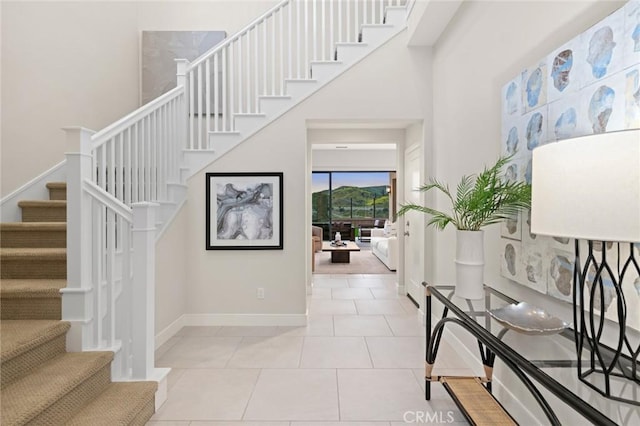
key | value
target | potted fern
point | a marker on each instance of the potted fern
(480, 200)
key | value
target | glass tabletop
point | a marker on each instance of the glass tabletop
(543, 347)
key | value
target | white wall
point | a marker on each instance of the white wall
(224, 282)
(77, 63)
(486, 45)
(356, 158)
(171, 278)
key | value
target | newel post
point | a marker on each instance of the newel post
(78, 296)
(144, 282)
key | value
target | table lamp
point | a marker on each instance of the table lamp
(588, 188)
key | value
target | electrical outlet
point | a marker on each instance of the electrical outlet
(260, 293)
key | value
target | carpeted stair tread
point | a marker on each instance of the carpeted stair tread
(42, 203)
(122, 403)
(43, 210)
(56, 185)
(33, 226)
(44, 394)
(27, 344)
(57, 190)
(20, 336)
(33, 234)
(37, 299)
(32, 262)
(34, 252)
(31, 288)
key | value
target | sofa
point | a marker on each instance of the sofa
(384, 246)
(316, 236)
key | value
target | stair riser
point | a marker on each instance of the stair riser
(246, 125)
(44, 214)
(57, 194)
(23, 364)
(71, 403)
(42, 238)
(300, 90)
(33, 267)
(325, 72)
(351, 54)
(395, 15)
(31, 308)
(375, 36)
(274, 107)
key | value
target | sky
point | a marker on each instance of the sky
(320, 181)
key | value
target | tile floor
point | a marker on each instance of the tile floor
(358, 362)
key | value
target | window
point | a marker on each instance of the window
(355, 198)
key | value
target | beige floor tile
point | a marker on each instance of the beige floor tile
(448, 357)
(408, 305)
(240, 423)
(200, 352)
(209, 394)
(321, 293)
(332, 307)
(317, 325)
(396, 352)
(379, 307)
(296, 394)
(351, 293)
(379, 395)
(387, 278)
(356, 325)
(335, 352)
(267, 352)
(242, 331)
(339, 423)
(406, 325)
(369, 283)
(325, 281)
(166, 346)
(173, 376)
(167, 423)
(198, 331)
(386, 293)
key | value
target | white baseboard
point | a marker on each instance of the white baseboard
(246, 319)
(169, 331)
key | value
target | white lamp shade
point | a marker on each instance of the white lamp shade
(588, 188)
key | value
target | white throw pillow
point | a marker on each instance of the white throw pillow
(390, 229)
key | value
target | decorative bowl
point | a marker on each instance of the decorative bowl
(528, 319)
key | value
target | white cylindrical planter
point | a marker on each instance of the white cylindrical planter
(469, 264)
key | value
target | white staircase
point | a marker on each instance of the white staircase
(274, 88)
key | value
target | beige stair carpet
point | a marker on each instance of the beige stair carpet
(40, 382)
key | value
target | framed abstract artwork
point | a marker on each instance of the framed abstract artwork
(244, 211)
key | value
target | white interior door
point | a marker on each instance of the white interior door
(413, 226)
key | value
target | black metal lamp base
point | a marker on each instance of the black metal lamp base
(608, 370)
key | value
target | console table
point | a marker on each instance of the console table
(548, 360)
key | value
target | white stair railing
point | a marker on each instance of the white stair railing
(230, 78)
(115, 177)
(137, 157)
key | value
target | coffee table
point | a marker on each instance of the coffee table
(340, 254)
